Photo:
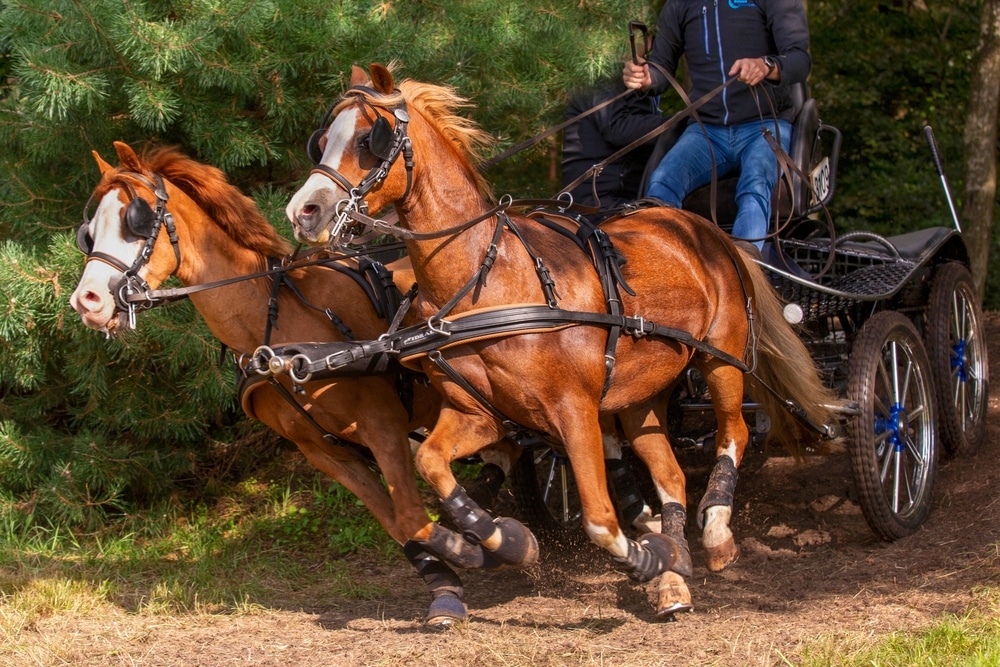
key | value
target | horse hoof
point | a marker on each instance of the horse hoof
(446, 610)
(674, 597)
(721, 556)
(518, 546)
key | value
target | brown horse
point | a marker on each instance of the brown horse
(218, 235)
(695, 297)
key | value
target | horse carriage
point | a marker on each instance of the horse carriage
(894, 324)
(537, 329)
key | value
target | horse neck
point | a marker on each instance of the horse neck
(443, 196)
(236, 313)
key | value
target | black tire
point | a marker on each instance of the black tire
(956, 346)
(893, 441)
(545, 492)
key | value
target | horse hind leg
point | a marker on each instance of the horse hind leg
(716, 507)
(645, 428)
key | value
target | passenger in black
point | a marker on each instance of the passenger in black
(599, 135)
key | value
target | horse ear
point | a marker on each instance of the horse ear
(101, 164)
(128, 157)
(359, 77)
(382, 79)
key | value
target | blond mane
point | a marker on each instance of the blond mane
(439, 105)
(208, 186)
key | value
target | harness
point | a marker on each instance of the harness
(144, 222)
(437, 333)
(132, 293)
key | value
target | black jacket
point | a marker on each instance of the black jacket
(713, 34)
(601, 134)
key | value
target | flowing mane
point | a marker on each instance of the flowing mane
(439, 104)
(234, 212)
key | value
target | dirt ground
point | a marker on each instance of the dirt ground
(811, 568)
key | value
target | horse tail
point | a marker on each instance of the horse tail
(785, 365)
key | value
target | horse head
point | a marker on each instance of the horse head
(356, 157)
(356, 165)
(121, 239)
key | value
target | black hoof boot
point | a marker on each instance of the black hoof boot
(444, 585)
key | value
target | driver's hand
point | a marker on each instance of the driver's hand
(750, 71)
(637, 76)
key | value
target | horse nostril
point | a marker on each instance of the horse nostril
(310, 210)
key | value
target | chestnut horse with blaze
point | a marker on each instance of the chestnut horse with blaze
(219, 235)
(679, 273)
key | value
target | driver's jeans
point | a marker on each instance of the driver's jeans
(688, 166)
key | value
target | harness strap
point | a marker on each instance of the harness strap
(344, 358)
(690, 109)
(552, 130)
(456, 377)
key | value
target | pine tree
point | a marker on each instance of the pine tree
(88, 426)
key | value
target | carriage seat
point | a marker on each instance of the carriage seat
(815, 158)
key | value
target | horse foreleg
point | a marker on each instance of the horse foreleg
(457, 435)
(716, 507)
(398, 509)
(643, 560)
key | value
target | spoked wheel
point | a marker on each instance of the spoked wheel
(894, 455)
(546, 495)
(956, 347)
(545, 491)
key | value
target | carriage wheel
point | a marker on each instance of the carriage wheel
(545, 492)
(894, 455)
(956, 346)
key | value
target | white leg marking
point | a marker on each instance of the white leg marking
(616, 544)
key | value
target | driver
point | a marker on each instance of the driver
(765, 44)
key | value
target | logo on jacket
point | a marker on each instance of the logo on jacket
(738, 4)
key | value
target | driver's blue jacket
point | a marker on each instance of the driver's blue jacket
(713, 34)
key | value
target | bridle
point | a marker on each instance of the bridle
(142, 221)
(383, 142)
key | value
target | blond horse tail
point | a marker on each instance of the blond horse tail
(784, 364)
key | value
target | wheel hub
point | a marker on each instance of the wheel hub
(897, 424)
(958, 360)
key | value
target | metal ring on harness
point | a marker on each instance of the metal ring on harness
(566, 196)
(261, 360)
(302, 360)
(430, 325)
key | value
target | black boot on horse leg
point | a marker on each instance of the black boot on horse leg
(506, 540)
(444, 585)
(674, 595)
(714, 513)
(650, 557)
(456, 550)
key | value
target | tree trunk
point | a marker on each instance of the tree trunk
(980, 144)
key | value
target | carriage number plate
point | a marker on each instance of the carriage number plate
(821, 180)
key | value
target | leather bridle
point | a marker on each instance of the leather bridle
(143, 221)
(384, 146)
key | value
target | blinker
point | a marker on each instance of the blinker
(140, 220)
(380, 139)
(313, 150)
(83, 240)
